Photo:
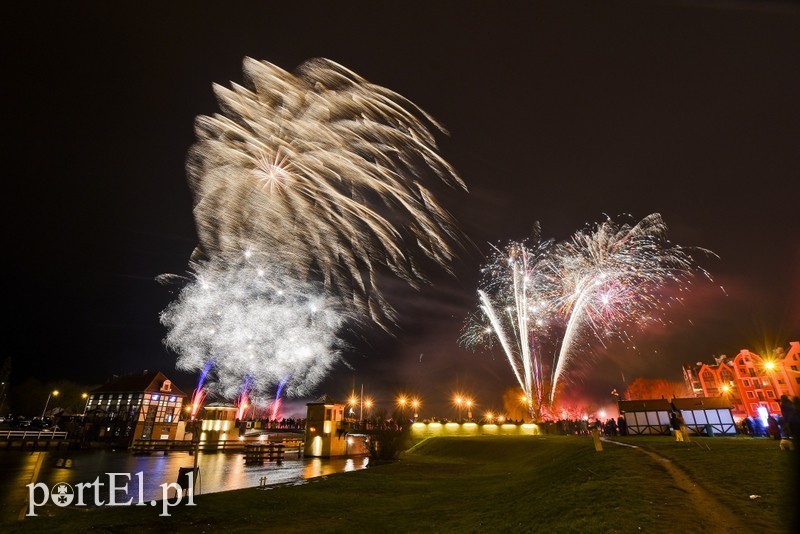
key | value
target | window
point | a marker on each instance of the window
(781, 382)
(770, 394)
(794, 368)
(746, 383)
(750, 395)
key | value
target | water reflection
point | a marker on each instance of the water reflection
(218, 472)
(316, 467)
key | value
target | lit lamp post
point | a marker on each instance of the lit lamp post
(527, 402)
(489, 417)
(469, 409)
(459, 403)
(368, 404)
(770, 367)
(402, 401)
(415, 405)
(85, 396)
(53, 393)
(352, 401)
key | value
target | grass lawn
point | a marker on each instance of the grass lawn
(733, 469)
(491, 483)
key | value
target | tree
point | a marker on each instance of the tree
(655, 388)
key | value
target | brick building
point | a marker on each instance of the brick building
(750, 382)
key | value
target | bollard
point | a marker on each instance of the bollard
(598, 446)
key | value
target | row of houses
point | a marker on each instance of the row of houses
(752, 384)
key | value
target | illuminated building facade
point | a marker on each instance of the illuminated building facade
(750, 382)
(219, 424)
(326, 434)
(132, 407)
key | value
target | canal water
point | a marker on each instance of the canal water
(218, 472)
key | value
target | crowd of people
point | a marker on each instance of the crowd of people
(778, 426)
(785, 425)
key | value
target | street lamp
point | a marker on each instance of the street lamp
(415, 405)
(459, 402)
(488, 416)
(53, 393)
(85, 396)
(401, 402)
(469, 409)
(368, 404)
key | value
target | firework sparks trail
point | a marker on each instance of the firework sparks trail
(317, 172)
(200, 392)
(254, 322)
(278, 402)
(603, 280)
(243, 400)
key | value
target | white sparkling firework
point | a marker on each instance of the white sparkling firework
(611, 278)
(256, 322)
(603, 280)
(320, 172)
(513, 300)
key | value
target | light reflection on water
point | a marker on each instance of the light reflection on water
(218, 472)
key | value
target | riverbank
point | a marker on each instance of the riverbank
(497, 484)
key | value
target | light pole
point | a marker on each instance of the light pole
(415, 405)
(85, 396)
(469, 409)
(2, 396)
(528, 403)
(770, 367)
(459, 403)
(402, 400)
(53, 393)
(361, 411)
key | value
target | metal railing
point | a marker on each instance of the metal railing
(31, 434)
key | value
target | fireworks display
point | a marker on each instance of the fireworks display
(320, 172)
(258, 325)
(305, 185)
(538, 299)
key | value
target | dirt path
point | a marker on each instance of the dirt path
(712, 516)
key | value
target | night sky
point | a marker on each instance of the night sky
(558, 112)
